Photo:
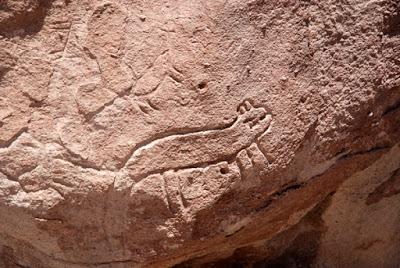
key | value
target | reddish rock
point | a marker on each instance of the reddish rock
(199, 133)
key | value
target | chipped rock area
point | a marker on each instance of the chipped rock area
(205, 133)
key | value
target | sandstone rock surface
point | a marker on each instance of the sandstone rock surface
(205, 133)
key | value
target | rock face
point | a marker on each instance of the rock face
(199, 133)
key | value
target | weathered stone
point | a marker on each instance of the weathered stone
(199, 133)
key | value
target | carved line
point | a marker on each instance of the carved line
(9, 142)
(167, 134)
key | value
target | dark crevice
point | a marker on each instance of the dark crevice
(392, 108)
(392, 22)
(296, 246)
(303, 249)
(371, 150)
(289, 188)
(386, 189)
(294, 186)
(285, 190)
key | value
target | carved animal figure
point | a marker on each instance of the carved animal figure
(199, 148)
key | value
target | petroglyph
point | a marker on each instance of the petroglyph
(251, 160)
(121, 146)
(104, 45)
(199, 148)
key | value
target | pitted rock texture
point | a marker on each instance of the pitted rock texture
(199, 133)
